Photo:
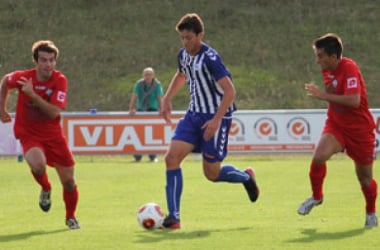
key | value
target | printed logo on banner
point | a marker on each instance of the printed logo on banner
(237, 131)
(118, 134)
(299, 128)
(266, 128)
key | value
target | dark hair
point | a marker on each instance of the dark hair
(46, 46)
(330, 43)
(191, 22)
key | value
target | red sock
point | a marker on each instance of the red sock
(42, 180)
(370, 194)
(317, 175)
(71, 201)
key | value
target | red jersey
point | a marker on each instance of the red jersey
(344, 80)
(30, 120)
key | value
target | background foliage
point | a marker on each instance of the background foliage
(265, 43)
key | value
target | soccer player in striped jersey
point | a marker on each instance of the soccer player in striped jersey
(206, 124)
(349, 127)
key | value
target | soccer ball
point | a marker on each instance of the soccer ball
(150, 216)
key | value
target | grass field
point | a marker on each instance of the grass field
(214, 216)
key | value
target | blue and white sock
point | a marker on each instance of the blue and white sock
(174, 183)
(229, 173)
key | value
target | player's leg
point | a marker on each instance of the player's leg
(70, 194)
(177, 151)
(214, 151)
(369, 189)
(36, 160)
(60, 157)
(361, 148)
(216, 172)
(327, 146)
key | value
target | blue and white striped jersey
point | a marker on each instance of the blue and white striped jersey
(202, 73)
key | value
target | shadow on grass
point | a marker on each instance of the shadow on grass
(160, 235)
(312, 235)
(26, 235)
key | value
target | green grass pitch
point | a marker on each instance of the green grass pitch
(214, 215)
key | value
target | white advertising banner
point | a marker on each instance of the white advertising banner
(263, 131)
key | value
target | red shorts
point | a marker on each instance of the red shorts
(359, 145)
(56, 150)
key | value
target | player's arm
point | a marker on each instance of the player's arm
(228, 97)
(175, 85)
(349, 100)
(27, 87)
(4, 115)
(229, 91)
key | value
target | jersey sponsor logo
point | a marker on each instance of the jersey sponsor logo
(49, 92)
(40, 87)
(352, 82)
(197, 66)
(61, 96)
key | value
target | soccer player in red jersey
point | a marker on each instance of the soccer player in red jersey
(41, 97)
(349, 126)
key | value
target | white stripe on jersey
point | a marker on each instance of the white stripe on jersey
(201, 71)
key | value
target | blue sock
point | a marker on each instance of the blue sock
(174, 184)
(229, 173)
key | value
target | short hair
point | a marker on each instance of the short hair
(190, 22)
(331, 43)
(148, 69)
(46, 46)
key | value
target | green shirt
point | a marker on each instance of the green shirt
(147, 95)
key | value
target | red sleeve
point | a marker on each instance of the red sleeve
(11, 79)
(351, 79)
(58, 96)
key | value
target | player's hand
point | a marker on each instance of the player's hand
(27, 86)
(5, 116)
(210, 127)
(166, 110)
(314, 91)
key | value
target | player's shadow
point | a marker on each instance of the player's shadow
(311, 235)
(161, 235)
(26, 235)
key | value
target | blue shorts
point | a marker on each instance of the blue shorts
(189, 129)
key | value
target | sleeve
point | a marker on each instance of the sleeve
(215, 65)
(11, 79)
(160, 91)
(136, 88)
(58, 96)
(352, 79)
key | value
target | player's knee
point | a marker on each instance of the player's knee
(320, 159)
(172, 160)
(69, 185)
(38, 170)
